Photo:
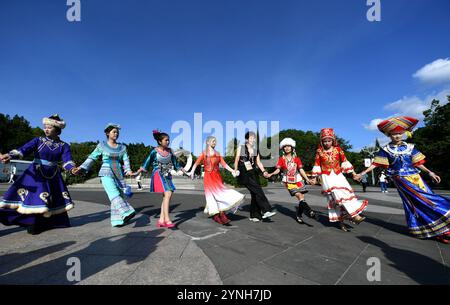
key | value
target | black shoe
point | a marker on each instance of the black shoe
(33, 230)
(129, 217)
(312, 214)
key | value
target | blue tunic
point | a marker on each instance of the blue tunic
(427, 214)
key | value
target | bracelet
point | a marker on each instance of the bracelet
(430, 173)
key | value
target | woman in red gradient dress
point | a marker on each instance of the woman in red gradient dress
(219, 199)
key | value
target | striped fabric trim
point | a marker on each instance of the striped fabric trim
(418, 157)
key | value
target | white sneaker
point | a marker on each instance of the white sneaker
(268, 214)
(254, 219)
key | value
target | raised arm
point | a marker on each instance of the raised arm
(98, 151)
(26, 149)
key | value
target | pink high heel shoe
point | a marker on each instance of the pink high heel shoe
(169, 225)
(160, 224)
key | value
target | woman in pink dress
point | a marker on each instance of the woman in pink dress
(219, 199)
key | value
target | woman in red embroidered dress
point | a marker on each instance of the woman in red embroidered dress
(330, 164)
(219, 199)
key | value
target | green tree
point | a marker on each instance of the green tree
(433, 140)
(15, 132)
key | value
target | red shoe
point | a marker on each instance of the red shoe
(217, 219)
(442, 239)
(170, 225)
(224, 218)
(160, 224)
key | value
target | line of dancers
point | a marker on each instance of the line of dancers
(39, 199)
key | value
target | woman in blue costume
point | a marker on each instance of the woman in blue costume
(427, 214)
(111, 174)
(163, 161)
(39, 199)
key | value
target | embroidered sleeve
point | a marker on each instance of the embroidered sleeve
(29, 147)
(174, 160)
(346, 166)
(381, 159)
(417, 157)
(98, 151)
(317, 169)
(149, 160)
(126, 162)
(67, 157)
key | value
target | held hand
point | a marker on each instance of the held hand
(130, 174)
(5, 158)
(357, 177)
(435, 178)
(75, 171)
(266, 175)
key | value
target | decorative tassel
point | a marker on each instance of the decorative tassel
(409, 134)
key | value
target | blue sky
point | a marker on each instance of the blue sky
(145, 64)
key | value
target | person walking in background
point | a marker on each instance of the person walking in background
(138, 181)
(13, 174)
(364, 182)
(383, 182)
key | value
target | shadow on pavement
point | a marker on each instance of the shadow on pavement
(94, 258)
(418, 267)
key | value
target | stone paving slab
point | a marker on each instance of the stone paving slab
(137, 253)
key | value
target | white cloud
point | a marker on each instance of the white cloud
(410, 106)
(373, 124)
(436, 72)
(415, 106)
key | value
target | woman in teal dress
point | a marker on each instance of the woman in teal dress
(111, 174)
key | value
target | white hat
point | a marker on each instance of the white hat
(55, 121)
(287, 142)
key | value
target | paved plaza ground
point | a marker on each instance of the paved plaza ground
(199, 251)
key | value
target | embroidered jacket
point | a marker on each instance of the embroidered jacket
(111, 160)
(400, 160)
(163, 162)
(47, 152)
(290, 169)
(334, 160)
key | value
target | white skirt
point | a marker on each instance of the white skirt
(341, 199)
